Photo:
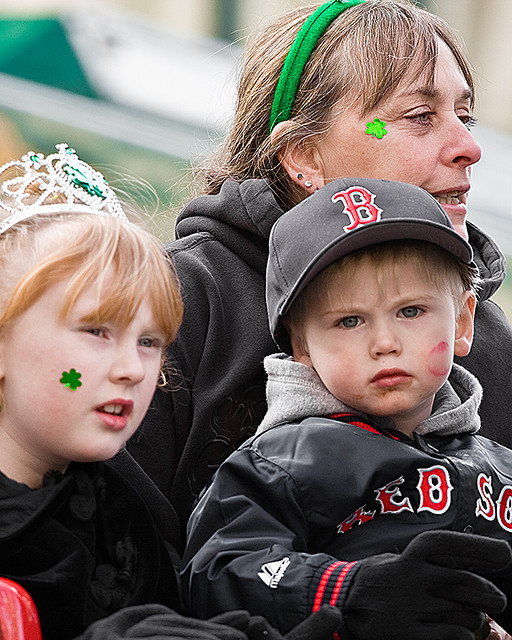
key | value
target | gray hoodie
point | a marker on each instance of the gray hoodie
(295, 392)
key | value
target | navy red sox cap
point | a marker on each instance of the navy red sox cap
(346, 215)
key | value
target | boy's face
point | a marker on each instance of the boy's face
(48, 424)
(386, 353)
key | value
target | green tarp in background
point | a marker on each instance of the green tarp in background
(38, 50)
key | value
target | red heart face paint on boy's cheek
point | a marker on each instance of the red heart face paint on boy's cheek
(439, 365)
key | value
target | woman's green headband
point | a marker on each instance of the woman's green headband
(300, 53)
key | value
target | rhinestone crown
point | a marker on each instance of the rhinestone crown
(41, 183)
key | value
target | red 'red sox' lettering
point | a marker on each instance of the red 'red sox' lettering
(484, 504)
(435, 489)
(359, 206)
(505, 508)
(389, 496)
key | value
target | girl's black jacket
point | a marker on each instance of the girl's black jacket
(88, 543)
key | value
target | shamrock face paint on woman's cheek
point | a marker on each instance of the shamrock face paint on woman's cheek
(376, 129)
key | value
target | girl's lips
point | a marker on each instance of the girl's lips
(118, 423)
(115, 413)
(390, 378)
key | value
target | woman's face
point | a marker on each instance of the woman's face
(427, 141)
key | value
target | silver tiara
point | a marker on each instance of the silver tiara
(41, 181)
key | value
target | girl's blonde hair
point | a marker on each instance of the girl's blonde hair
(359, 60)
(439, 268)
(82, 248)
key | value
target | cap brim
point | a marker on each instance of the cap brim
(385, 231)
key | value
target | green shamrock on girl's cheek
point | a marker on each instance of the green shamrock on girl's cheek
(71, 379)
(376, 128)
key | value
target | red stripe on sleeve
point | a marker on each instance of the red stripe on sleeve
(323, 583)
(339, 582)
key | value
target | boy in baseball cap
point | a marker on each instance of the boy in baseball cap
(365, 483)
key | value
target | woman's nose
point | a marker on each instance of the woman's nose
(462, 147)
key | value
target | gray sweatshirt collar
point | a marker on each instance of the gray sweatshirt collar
(295, 392)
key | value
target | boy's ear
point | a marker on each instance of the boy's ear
(465, 325)
(301, 159)
(299, 347)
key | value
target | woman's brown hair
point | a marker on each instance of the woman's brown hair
(360, 60)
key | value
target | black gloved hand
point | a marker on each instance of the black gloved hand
(319, 626)
(156, 622)
(432, 590)
(252, 627)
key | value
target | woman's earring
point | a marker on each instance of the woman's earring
(300, 176)
(308, 184)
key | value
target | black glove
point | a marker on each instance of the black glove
(156, 622)
(432, 590)
(319, 626)
(252, 627)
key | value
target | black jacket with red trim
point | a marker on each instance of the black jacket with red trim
(288, 516)
(217, 395)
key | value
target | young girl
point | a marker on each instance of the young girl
(88, 302)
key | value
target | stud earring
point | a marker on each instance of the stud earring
(308, 184)
(300, 176)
